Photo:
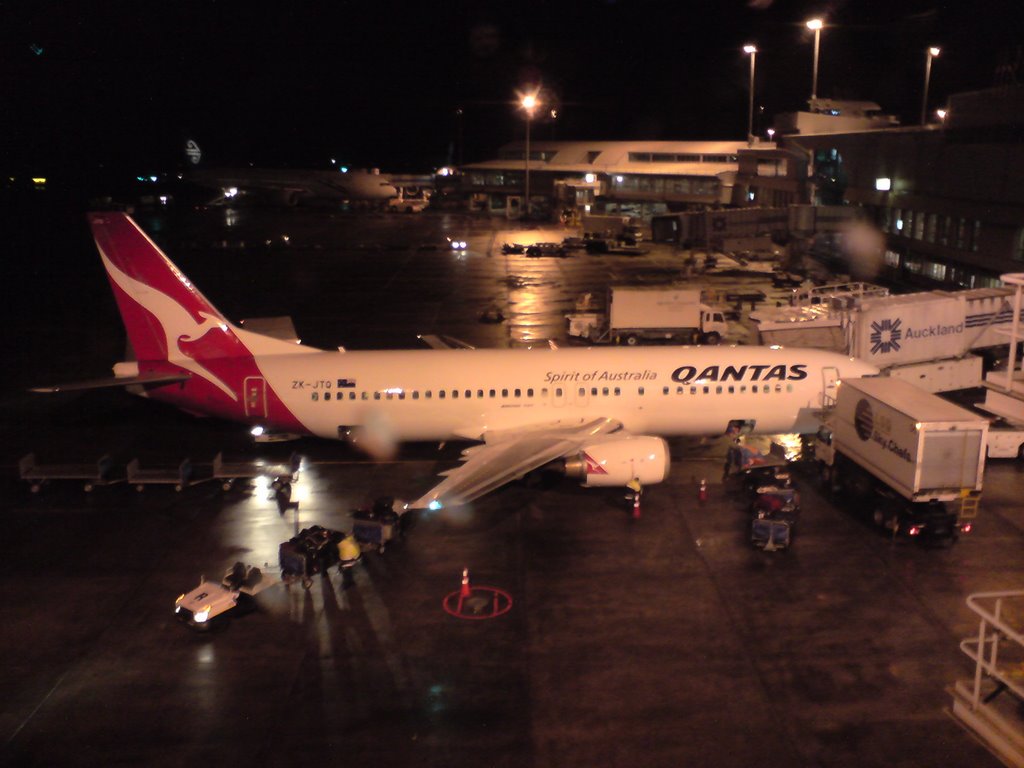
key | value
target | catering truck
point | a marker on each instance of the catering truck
(911, 460)
(637, 314)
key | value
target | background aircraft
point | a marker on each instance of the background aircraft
(290, 186)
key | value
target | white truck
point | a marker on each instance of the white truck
(409, 202)
(1005, 440)
(612, 227)
(637, 314)
(913, 460)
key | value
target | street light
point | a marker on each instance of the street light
(751, 50)
(529, 102)
(815, 25)
(931, 54)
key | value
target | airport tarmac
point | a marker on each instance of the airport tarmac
(660, 641)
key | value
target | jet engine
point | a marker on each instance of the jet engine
(619, 459)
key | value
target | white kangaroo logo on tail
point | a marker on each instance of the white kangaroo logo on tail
(176, 322)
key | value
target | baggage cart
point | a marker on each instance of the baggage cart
(140, 477)
(91, 475)
(770, 534)
(377, 525)
(312, 551)
(279, 474)
(374, 532)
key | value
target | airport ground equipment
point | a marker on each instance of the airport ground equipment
(640, 313)
(775, 508)
(180, 477)
(913, 459)
(1005, 440)
(313, 550)
(547, 249)
(379, 524)
(770, 533)
(926, 338)
(989, 704)
(616, 228)
(91, 475)
(228, 473)
(207, 605)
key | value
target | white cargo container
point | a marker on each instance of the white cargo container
(644, 313)
(914, 460)
(921, 446)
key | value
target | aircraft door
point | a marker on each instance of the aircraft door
(255, 396)
(829, 386)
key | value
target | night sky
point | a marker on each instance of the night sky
(123, 85)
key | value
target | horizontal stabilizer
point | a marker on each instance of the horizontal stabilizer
(441, 341)
(275, 327)
(143, 379)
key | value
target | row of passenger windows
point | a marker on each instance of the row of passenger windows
(481, 394)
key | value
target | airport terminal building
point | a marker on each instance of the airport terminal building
(949, 195)
(639, 178)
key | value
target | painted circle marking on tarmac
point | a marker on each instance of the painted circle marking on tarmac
(481, 603)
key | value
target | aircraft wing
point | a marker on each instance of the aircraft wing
(143, 379)
(506, 456)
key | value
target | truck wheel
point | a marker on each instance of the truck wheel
(632, 340)
(712, 338)
(1020, 452)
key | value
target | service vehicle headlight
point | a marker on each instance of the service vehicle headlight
(202, 614)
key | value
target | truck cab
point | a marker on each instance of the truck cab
(713, 326)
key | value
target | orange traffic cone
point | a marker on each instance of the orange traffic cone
(465, 583)
(702, 492)
(636, 506)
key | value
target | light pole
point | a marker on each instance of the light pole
(751, 50)
(815, 25)
(931, 54)
(529, 103)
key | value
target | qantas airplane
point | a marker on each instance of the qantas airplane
(600, 414)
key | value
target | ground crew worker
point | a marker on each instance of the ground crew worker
(349, 554)
(637, 489)
(733, 459)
